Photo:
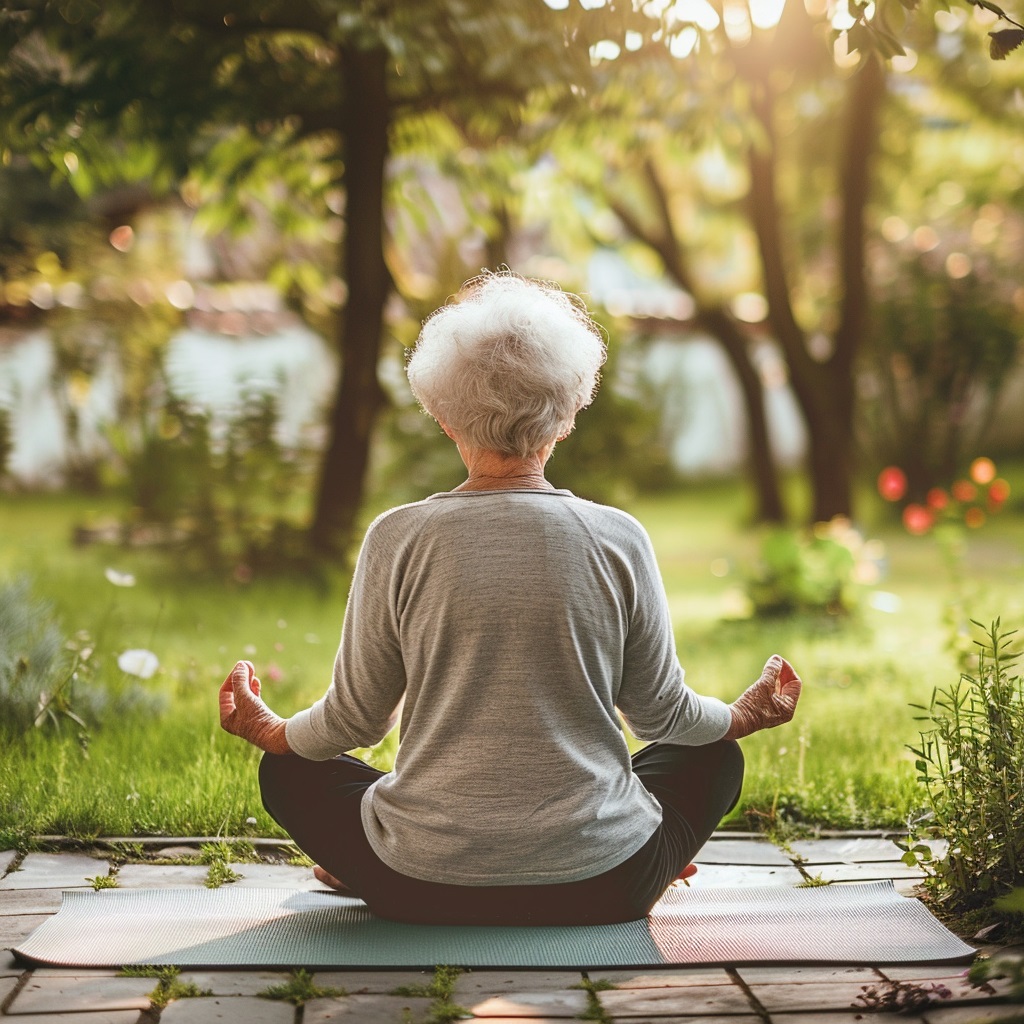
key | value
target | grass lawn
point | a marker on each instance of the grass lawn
(169, 769)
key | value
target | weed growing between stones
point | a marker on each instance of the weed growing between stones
(300, 988)
(168, 985)
(441, 988)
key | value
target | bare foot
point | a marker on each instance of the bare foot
(328, 879)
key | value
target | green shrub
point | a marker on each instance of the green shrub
(220, 490)
(800, 572)
(971, 763)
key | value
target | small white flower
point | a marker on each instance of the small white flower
(138, 662)
(250, 821)
(119, 579)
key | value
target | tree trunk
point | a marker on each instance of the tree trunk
(365, 121)
(830, 458)
(824, 390)
(770, 507)
(830, 413)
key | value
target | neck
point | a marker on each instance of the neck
(492, 471)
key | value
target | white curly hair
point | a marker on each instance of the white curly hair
(508, 363)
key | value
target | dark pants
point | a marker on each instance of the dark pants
(318, 804)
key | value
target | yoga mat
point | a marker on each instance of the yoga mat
(281, 928)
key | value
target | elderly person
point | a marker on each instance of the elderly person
(508, 624)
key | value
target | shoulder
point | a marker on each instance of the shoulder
(386, 531)
(609, 521)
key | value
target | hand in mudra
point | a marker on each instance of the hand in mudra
(769, 702)
(244, 713)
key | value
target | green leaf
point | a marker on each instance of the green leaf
(1004, 41)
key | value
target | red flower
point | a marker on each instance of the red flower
(937, 498)
(892, 483)
(964, 490)
(917, 519)
(999, 491)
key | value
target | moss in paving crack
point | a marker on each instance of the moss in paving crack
(217, 855)
(813, 882)
(594, 1010)
(299, 989)
(441, 989)
(218, 874)
(168, 987)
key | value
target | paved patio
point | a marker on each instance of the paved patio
(31, 887)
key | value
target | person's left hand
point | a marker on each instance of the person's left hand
(244, 713)
(767, 703)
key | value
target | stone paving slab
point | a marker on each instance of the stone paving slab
(843, 1017)
(93, 1017)
(371, 982)
(566, 1003)
(473, 986)
(77, 972)
(922, 972)
(14, 929)
(14, 902)
(534, 1020)
(855, 850)
(741, 851)
(790, 975)
(61, 995)
(232, 983)
(659, 1018)
(873, 872)
(696, 1000)
(363, 1010)
(953, 979)
(781, 998)
(226, 1010)
(684, 977)
(747, 875)
(974, 1015)
(277, 876)
(9, 967)
(161, 876)
(54, 870)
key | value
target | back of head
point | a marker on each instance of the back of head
(508, 364)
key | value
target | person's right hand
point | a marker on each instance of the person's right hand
(769, 702)
(244, 713)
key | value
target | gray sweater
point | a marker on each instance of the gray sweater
(513, 624)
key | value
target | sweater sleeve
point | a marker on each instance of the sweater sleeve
(362, 703)
(653, 697)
